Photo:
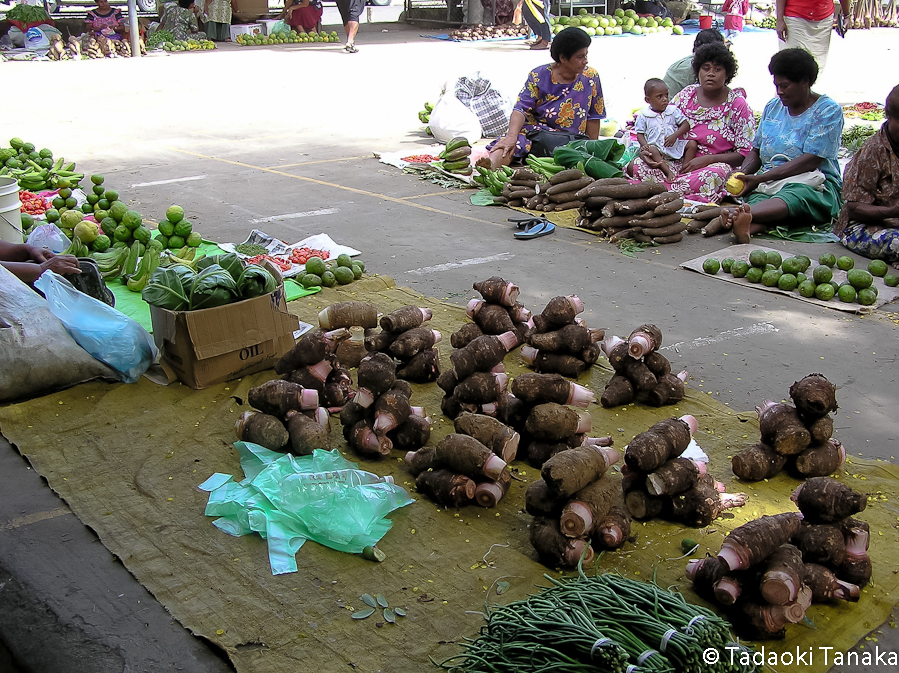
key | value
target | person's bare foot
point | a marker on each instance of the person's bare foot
(741, 220)
(666, 169)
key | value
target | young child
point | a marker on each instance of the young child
(661, 128)
(734, 11)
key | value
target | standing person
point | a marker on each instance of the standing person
(536, 15)
(680, 73)
(869, 221)
(350, 11)
(218, 19)
(105, 20)
(734, 12)
(565, 95)
(808, 24)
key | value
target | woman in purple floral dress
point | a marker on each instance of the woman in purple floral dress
(721, 122)
(564, 95)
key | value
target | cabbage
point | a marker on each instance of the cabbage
(212, 287)
(229, 262)
(255, 282)
(166, 288)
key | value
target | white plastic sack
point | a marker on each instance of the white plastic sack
(35, 40)
(110, 336)
(16, 36)
(48, 236)
(37, 353)
(451, 119)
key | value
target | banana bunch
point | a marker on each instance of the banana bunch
(35, 177)
(424, 116)
(148, 263)
(456, 157)
(77, 248)
(186, 256)
(111, 262)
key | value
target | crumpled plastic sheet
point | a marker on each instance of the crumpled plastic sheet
(288, 500)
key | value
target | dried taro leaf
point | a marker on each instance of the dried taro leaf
(399, 612)
(381, 600)
(368, 600)
(362, 614)
(388, 616)
(502, 587)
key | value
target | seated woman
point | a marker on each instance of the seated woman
(869, 221)
(181, 20)
(302, 15)
(562, 96)
(27, 262)
(106, 20)
(791, 174)
(721, 123)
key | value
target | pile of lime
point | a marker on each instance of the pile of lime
(790, 275)
(175, 232)
(342, 271)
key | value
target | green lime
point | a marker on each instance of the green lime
(822, 274)
(758, 258)
(344, 275)
(65, 192)
(176, 243)
(711, 266)
(174, 214)
(828, 259)
(316, 265)
(801, 278)
(891, 280)
(770, 278)
(359, 263)
(773, 257)
(166, 228)
(807, 288)
(859, 278)
(92, 199)
(131, 219)
(846, 294)
(71, 202)
(59, 202)
(825, 292)
(845, 263)
(328, 279)
(867, 296)
(103, 203)
(116, 210)
(183, 228)
(52, 215)
(787, 282)
(754, 275)
(727, 264)
(806, 262)
(739, 268)
(357, 271)
(111, 195)
(877, 267)
(792, 265)
(87, 208)
(344, 260)
(99, 190)
(311, 280)
(97, 179)
(193, 239)
(109, 225)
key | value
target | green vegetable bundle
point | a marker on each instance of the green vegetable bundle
(27, 14)
(597, 158)
(159, 38)
(605, 623)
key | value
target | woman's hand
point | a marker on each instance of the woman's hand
(506, 144)
(61, 264)
(699, 162)
(750, 182)
(781, 29)
(40, 255)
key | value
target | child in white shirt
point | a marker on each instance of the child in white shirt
(661, 128)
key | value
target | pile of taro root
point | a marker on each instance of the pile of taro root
(480, 32)
(771, 569)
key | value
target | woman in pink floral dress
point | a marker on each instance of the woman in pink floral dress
(721, 122)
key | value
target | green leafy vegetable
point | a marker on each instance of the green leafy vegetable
(212, 287)
(369, 600)
(597, 158)
(255, 281)
(230, 262)
(362, 614)
(165, 288)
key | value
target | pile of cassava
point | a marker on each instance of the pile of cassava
(641, 372)
(796, 437)
(644, 212)
(497, 312)
(380, 416)
(658, 482)
(560, 342)
(404, 336)
(700, 217)
(534, 192)
(576, 507)
(771, 569)
(467, 465)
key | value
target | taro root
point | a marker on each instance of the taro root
(311, 348)
(781, 427)
(411, 435)
(488, 493)
(412, 342)
(497, 291)
(366, 442)
(541, 388)
(423, 459)
(377, 374)
(348, 314)
(421, 368)
(405, 318)
(492, 433)
(277, 397)
(587, 507)
(613, 531)
(392, 409)
(821, 460)
(757, 462)
(481, 387)
(491, 318)
(307, 434)
(263, 429)
(553, 548)
(446, 488)
(756, 540)
(571, 339)
(814, 396)
(821, 543)
(466, 455)
(825, 500)
(825, 586)
(540, 501)
(465, 335)
(663, 441)
(783, 575)
(553, 422)
(482, 354)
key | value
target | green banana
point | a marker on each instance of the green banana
(131, 262)
(58, 164)
(456, 143)
(456, 165)
(457, 154)
(462, 171)
(148, 264)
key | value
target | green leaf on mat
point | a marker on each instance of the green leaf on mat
(388, 616)
(362, 614)
(381, 600)
(399, 612)
(368, 600)
(482, 197)
(807, 234)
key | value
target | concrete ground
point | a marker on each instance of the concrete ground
(281, 138)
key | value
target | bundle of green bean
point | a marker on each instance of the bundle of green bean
(602, 623)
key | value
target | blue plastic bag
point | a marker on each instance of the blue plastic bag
(108, 335)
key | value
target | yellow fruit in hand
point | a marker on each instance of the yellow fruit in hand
(734, 184)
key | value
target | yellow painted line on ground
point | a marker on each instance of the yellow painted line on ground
(29, 519)
(393, 199)
(421, 196)
(320, 161)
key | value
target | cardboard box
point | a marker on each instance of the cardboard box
(246, 29)
(215, 345)
(249, 10)
(267, 25)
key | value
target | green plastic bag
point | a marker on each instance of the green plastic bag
(600, 158)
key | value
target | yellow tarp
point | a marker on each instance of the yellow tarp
(128, 459)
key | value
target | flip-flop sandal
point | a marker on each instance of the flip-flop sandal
(524, 222)
(535, 231)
